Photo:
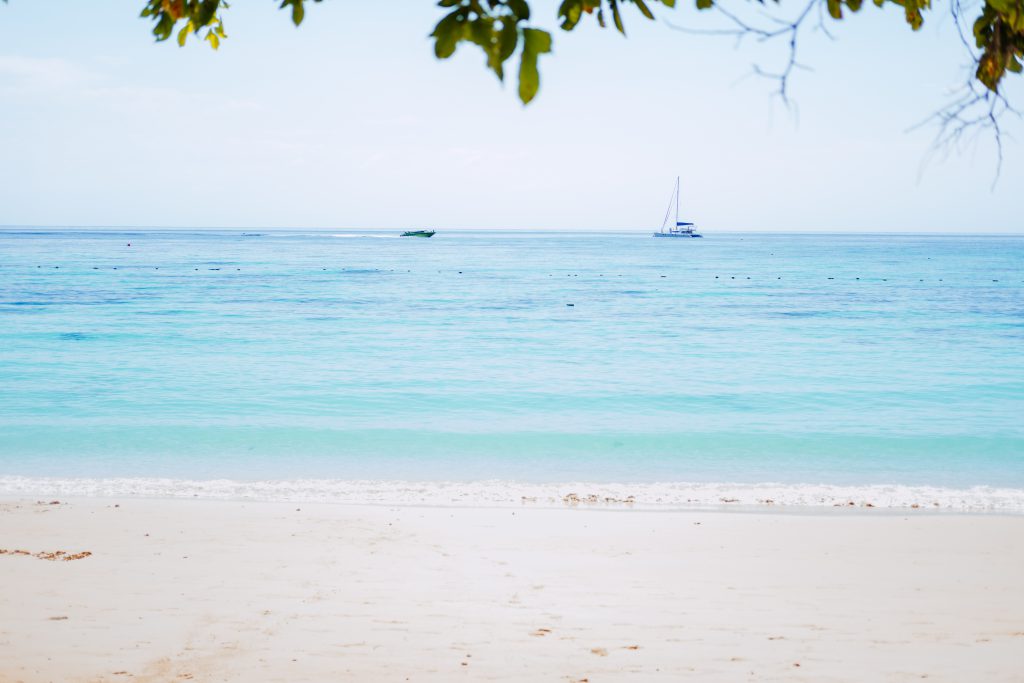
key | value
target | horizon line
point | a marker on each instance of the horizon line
(619, 230)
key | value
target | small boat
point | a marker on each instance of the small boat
(418, 233)
(680, 228)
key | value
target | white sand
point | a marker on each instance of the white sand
(219, 591)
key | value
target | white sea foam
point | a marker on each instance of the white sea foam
(666, 495)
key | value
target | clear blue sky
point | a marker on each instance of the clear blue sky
(350, 122)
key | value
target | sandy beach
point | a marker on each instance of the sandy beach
(233, 591)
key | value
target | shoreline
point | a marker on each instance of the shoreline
(665, 496)
(242, 591)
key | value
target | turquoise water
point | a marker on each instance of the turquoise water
(836, 359)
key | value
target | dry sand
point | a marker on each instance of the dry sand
(218, 591)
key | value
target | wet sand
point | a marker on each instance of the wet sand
(163, 590)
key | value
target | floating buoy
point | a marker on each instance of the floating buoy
(570, 304)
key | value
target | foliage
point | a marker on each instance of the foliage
(501, 27)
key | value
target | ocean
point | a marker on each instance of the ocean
(359, 366)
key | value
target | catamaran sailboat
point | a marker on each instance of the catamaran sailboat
(680, 228)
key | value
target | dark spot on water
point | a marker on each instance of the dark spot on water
(802, 314)
(73, 336)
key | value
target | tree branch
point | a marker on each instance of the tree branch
(788, 30)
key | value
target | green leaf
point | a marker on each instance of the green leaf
(614, 5)
(163, 27)
(570, 11)
(207, 10)
(535, 43)
(183, 35)
(644, 9)
(705, 4)
(519, 8)
(298, 12)
(508, 39)
(448, 32)
(990, 71)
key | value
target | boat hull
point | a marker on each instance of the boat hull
(418, 233)
(681, 235)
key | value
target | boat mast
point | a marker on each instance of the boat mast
(668, 212)
(677, 201)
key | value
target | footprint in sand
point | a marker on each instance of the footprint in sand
(599, 651)
(541, 632)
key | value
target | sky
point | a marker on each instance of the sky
(349, 122)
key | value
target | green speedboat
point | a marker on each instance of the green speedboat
(418, 233)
